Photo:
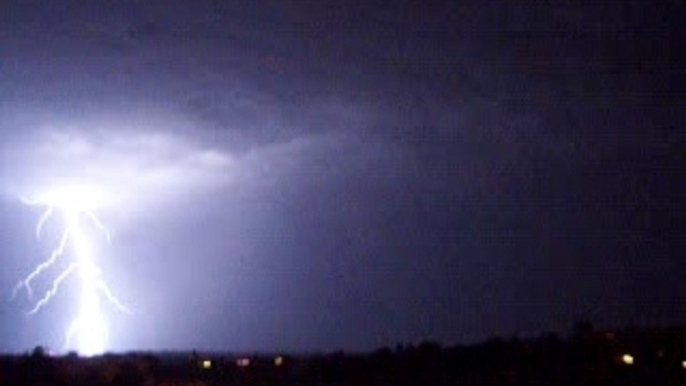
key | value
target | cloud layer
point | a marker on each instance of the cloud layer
(135, 163)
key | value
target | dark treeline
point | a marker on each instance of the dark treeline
(627, 357)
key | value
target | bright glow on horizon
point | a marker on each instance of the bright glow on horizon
(76, 203)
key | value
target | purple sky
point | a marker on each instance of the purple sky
(311, 175)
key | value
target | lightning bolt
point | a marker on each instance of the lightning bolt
(89, 325)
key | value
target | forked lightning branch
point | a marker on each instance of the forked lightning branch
(75, 207)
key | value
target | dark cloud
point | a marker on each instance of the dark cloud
(327, 174)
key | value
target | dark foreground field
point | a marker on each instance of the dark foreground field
(628, 357)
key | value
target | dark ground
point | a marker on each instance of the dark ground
(588, 357)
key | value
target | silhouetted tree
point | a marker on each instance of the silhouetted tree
(38, 352)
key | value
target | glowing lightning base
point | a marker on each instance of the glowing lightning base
(89, 326)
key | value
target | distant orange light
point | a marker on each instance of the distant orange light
(628, 359)
(278, 361)
(243, 362)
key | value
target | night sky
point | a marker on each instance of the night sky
(330, 174)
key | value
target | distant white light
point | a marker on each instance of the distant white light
(207, 364)
(683, 365)
(278, 361)
(628, 359)
(243, 362)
